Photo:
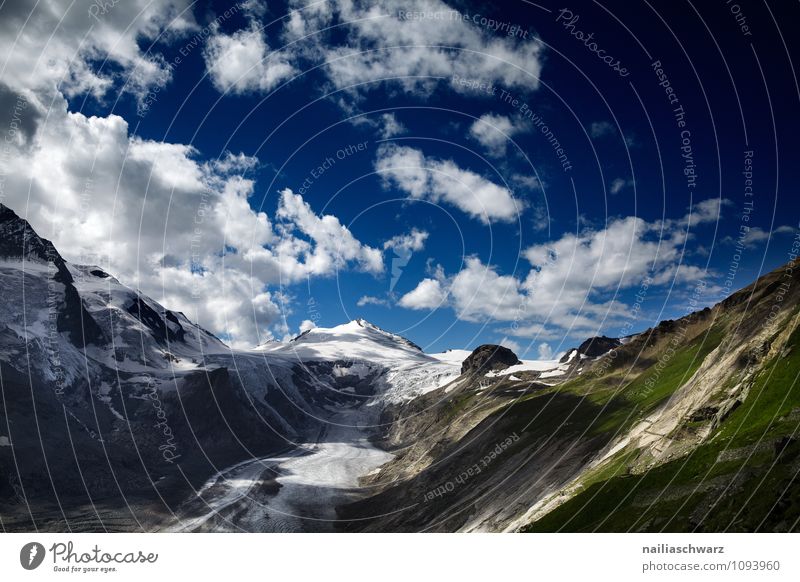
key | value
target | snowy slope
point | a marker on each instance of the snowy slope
(399, 369)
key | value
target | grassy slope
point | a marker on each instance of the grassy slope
(684, 495)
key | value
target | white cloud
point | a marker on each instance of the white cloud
(334, 245)
(618, 185)
(511, 345)
(378, 43)
(537, 330)
(545, 351)
(479, 293)
(754, 236)
(242, 62)
(414, 241)
(390, 126)
(443, 181)
(493, 132)
(157, 217)
(705, 211)
(365, 45)
(150, 213)
(573, 282)
(53, 44)
(386, 125)
(427, 295)
(527, 181)
(540, 219)
(370, 300)
(307, 325)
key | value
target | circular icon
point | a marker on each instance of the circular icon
(31, 555)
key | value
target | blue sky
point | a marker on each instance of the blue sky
(330, 166)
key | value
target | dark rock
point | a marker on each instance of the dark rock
(593, 347)
(489, 357)
(704, 413)
(19, 241)
(158, 324)
(597, 346)
(784, 445)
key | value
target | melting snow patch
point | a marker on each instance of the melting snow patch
(452, 356)
(525, 366)
(453, 386)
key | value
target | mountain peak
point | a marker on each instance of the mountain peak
(18, 240)
(358, 331)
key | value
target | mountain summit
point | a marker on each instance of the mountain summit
(359, 332)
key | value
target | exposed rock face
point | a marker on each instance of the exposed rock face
(20, 242)
(489, 357)
(597, 346)
(593, 347)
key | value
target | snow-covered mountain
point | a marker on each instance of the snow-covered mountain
(106, 391)
(388, 366)
(149, 402)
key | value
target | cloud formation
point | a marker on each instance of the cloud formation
(76, 40)
(493, 132)
(421, 177)
(242, 62)
(573, 283)
(381, 42)
(180, 229)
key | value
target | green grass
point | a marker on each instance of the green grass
(750, 501)
(651, 388)
(775, 393)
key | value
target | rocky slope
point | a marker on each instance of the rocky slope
(691, 425)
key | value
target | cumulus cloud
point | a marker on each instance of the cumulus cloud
(52, 44)
(545, 351)
(149, 212)
(479, 293)
(428, 294)
(242, 62)
(180, 229)
(573, 281)
(421, 177)
(334, 246)
(382, 44)
(155, 214)
(307, 325)
(414, 241)
(493, 132)
(511, 345)
(367, 44)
